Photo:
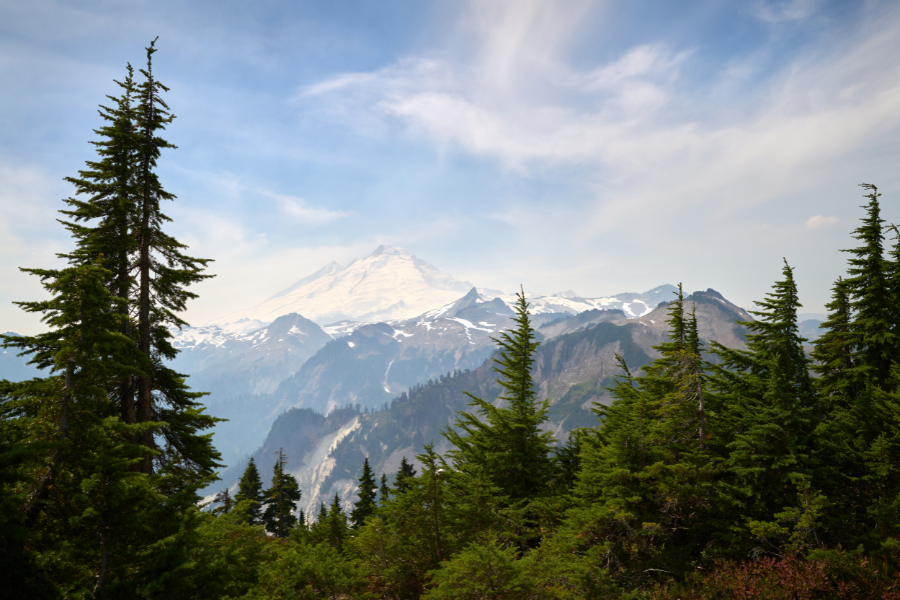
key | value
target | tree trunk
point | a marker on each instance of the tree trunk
(104, 562)
(145, 395)
(126, 389)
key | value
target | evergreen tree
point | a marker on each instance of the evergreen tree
(281, 500)
(108, 513)
(336, 524)
(318, 529)
(856, 356)
(163, 274)
(405, 471)
(508, 442)
(384, 491)
(103, 224)
(642, 493)
(409, 535)
(874, 339)
(225, 500)
(83, 347)
(769, 405)
(120, 222)
(365, 506)
(250, 490)
(833, 352)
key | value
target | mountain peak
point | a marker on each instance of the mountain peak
(384, 249)
(388, 284)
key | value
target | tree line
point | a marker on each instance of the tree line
(771, 471)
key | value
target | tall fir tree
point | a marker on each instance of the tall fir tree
(384, 491)
(508, 442)
(642, 493)
(874, 339)
(250, 490)
(858, 381)
(367, 491)
(225, 502)
(336, 526)
(404, 472)
(103, 224)
(281, 500)
(116, 216)
(833, 352)
(163, 273)
(90, 490)
(769, 408)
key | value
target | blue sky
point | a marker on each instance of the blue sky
(595, 146)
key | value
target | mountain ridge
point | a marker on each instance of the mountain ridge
(387, 284)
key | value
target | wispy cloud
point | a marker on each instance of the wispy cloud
(821, 222)
(654, 137)
(298, 210)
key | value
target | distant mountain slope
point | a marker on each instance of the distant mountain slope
(630, 303)
(388, 284)
(376, 362)
(14, 367)
(811, 329)
(227, 363)
(572, 370)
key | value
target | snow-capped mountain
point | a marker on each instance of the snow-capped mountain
(389, 284)
(568, 302)
(372, 363)
(228, 362)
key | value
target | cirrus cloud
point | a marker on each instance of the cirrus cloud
(821, 222)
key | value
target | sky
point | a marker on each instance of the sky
(593, 146)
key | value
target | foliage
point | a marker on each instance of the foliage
(480, 572)
(301, 572)
(281, 500)
(250, 491)
(367, 490)
(508, 442)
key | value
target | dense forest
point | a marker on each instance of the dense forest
(769, 472)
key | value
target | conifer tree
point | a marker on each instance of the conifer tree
(116, 217)
(225, 501)
(405, 471)
(103, 224)
(250, 489)
(318, 529)
(646, 474)
(769, 402)
(163, 274)
(384, 491)
(856, 356)
(281, 500)
(90, 489)
(833, 352)
(83, 346)
(508, 442)
(365, 506)
(336, 524)
(874, 339)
